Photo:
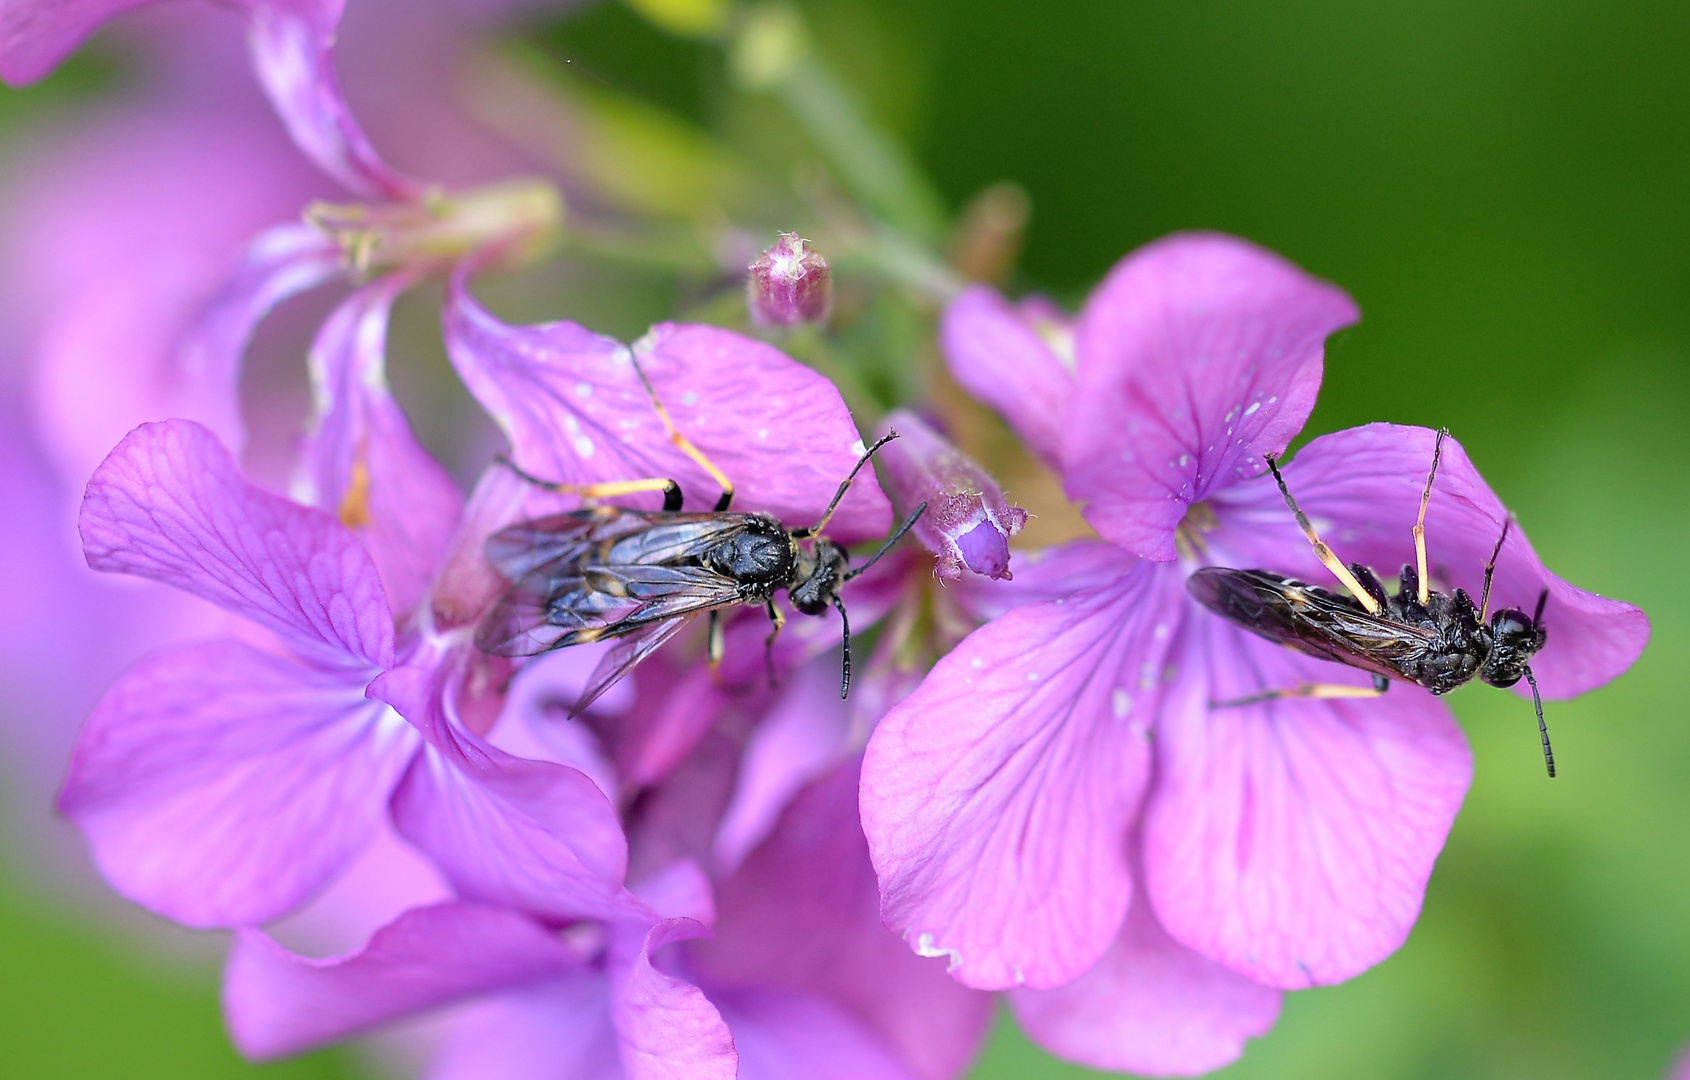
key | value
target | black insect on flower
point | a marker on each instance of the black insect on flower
(1437, 640)
(639, 576)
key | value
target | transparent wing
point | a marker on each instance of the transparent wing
(1308, 619)
(624, 657)
(605, 534)
(548, 610)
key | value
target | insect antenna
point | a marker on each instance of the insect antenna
(844, 486)
(845, 670)
(887, 546)
(1542, 728)
(1542, 599)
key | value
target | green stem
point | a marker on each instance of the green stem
(875, 168)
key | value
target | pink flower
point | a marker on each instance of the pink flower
(778, 967)
(1058, 808)
(224, 783)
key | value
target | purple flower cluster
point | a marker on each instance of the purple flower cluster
(1060, 809)
(709, 875)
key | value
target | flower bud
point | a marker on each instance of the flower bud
(790, 284)
(967, 524)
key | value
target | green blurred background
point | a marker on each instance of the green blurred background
(1502, 186)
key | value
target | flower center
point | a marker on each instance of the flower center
(1199, 521)
(524, 213)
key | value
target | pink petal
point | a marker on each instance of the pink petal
(292, 45)
(998, 796)
(1043, 575)
(119, 353)
(361, 462)
(171, 504)
(1197, 355)
(35, 35)
(556, 1030)
(1367, 481)
(575, 412)
(1006, 358)
(280, 1003)
(532, 834)
(1292, 840)
(802, 737)
(668, 1029)
(802, 914)
(224, 786)
(784, 1035)
(1150, 1006)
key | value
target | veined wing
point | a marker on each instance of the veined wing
(1309, 619)
(624, 656)
(606, 534)
(547, 610)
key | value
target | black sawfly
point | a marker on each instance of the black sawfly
(1436, 640)
(639, 576)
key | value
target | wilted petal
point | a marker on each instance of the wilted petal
(1291, 840)
(802, 913)
(292, 53)
(36, 34)
(223, 786)
(361, 462)
(533, 834)
(667, 1028)
(997, 797)
(1363, 486)
(968, 522)
(171, 504)
(573, 407)
(280, 1003)
(1015, 361)
(779, 1035)
(557, 1030)
(1198, 354)
(1150, 1006)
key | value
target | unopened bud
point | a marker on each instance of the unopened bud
(968, 523)
(790, 284)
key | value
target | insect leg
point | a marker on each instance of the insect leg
(887, 546)
(1490, 570)
(716, 642)
(1323, 691)
(845, 672)
(1420, 522)
(777, 620)
(1321, 551)
(844, 486)
(671, 490)
(684, 444)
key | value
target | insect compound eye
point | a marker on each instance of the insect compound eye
(1511, 627)
(811, 595)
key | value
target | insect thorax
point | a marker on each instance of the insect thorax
(762, 557)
